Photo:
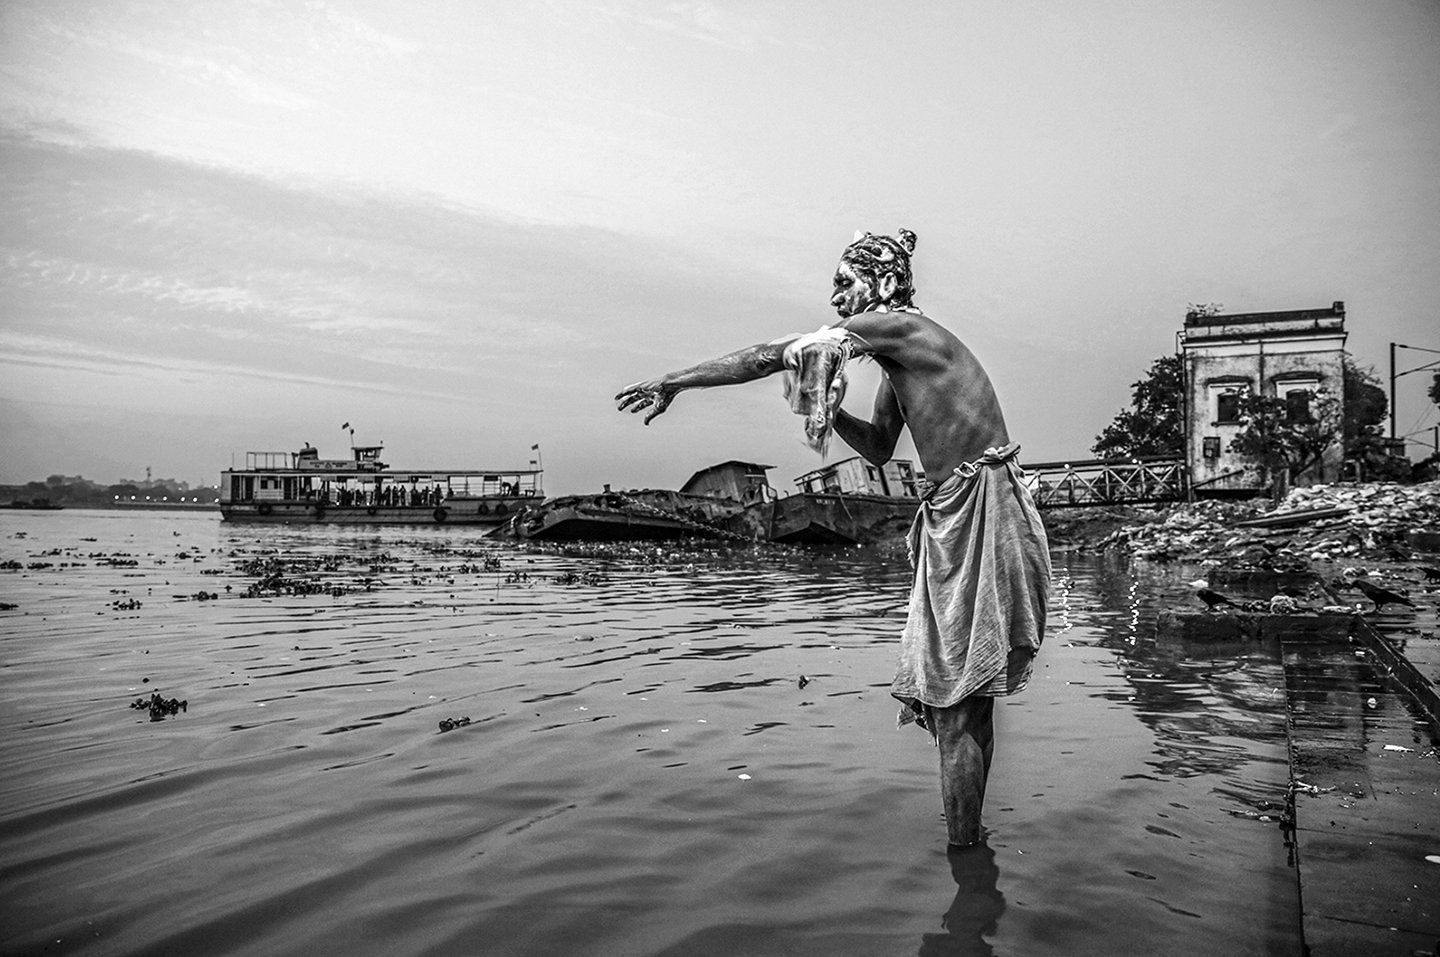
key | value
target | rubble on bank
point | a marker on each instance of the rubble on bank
(1319, 524)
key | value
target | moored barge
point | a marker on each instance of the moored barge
(363, 490)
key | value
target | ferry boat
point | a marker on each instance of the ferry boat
(363, 490)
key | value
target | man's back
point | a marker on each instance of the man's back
(944, 393)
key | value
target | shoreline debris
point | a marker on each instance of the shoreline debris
(1341, 522)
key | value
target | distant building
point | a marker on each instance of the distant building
(742, 481)
(1286, 354)
(855, 476)
(150, 483)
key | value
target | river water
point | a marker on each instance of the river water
(644, 772)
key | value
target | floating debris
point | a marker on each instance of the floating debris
(159, 708)
(1267, 818)
(450, 724)
(579, 578)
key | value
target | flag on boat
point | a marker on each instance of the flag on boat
(535, 448)
(345, 426)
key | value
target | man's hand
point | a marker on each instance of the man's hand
(652, 394)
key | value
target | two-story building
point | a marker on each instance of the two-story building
(1292, 355)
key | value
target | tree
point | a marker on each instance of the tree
(1285, 435)
(1365, 408)
(1153, 425)
(1435, 389)
(1363, 425)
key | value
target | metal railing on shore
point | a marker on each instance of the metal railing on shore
(1107, 482)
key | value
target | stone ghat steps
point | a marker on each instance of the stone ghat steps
(1365, 796)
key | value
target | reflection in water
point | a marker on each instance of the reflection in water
(975, 912)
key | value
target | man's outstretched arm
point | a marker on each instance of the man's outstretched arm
(745, 365)
(874, 440)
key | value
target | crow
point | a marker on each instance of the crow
(1211, 598)
(1380, 596)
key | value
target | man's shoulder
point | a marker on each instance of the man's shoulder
(897, 327)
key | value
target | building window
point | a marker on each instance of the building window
(1297, 406)
(1211, 446)
(1227, 407)
(1298, 393)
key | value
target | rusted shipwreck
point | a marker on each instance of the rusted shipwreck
(846, 502)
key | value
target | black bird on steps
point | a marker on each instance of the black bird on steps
(1380, 596)
(1210, 598)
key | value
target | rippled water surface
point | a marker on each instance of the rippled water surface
(642, 771)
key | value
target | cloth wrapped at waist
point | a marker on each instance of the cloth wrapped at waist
(982, 579)
(815, 380)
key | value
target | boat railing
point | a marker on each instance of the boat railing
(493, 484)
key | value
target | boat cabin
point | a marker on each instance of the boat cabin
(742, 481)
(855, 476)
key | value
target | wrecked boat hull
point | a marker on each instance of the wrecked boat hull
(814, 518)
(648, 515)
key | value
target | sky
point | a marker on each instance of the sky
(461, 226)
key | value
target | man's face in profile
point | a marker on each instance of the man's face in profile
(853, 293)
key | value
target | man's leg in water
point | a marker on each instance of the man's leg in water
(965, 734)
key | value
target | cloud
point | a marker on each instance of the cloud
(205, 69)
(45, 352)
(355, 34)
(700, 21)
(133, 285)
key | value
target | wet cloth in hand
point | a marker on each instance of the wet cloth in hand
(982, 579)
(815, 380)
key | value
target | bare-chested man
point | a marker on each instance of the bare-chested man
(982, 567)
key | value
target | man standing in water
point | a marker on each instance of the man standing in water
(982, 565)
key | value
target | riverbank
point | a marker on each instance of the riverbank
(1313, 526)
(1360, 685)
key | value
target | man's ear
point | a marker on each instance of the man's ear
(888, 285)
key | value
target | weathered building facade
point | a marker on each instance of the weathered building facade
(1290, 355)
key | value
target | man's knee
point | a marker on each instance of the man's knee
(972, 717)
